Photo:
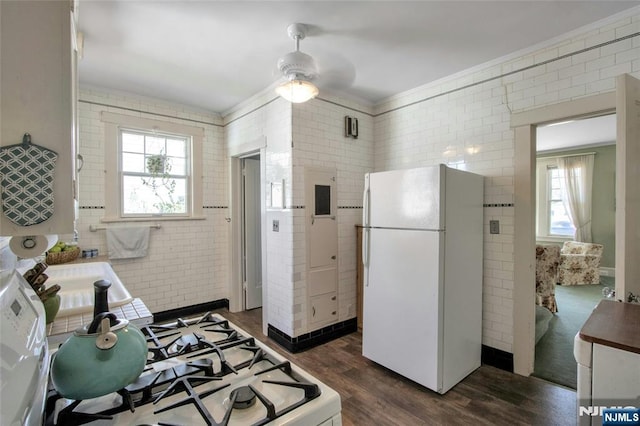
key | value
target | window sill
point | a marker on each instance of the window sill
(148, 219)
(552, 239)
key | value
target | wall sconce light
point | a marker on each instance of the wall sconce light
(350, 127)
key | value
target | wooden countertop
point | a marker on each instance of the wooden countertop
(614, 324)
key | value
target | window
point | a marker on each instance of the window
(155, 173)
(153, 169)
(559, 223)
(323, 200)
(552, 217)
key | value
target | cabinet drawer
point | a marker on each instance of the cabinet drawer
(322, 281)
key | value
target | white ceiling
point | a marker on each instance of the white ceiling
(577, 133)
(215, 54)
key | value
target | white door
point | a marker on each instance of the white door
(627, 188)
(322, 241)
(252, 246)
(401, 303)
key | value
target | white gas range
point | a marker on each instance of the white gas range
(201, 371)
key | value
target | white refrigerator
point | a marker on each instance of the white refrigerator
(422, 255)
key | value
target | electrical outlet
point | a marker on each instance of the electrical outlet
(494, 226)
(276, 226)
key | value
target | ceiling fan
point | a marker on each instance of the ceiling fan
(298, 68)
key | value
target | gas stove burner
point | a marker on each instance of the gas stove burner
(243, 397)
(209, 372)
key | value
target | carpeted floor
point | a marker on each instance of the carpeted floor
(554, 352)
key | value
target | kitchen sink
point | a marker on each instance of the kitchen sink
(76, 282)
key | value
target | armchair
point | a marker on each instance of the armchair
(547, 261)
(580, 263)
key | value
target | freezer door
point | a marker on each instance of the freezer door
(402, 296)
(409, 199)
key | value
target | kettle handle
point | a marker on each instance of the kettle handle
(101, 303)
(93, 327)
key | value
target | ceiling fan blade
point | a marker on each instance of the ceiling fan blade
(334, 71)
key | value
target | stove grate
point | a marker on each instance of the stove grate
(311, 391)
(172, 340)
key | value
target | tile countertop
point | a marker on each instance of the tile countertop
(101, 258)
(61, 328)
(614, 324)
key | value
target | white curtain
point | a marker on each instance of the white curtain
(578, 177)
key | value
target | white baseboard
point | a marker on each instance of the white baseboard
(608, 272)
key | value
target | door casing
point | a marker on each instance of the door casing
(251, 233)
(524, 125)
(256, 146)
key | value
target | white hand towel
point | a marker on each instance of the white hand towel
(128, 242)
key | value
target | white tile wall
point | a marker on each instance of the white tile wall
(319, 141)
(445, 121)
(469, 128)
(266, 116)
(310, 134)
(188, 260)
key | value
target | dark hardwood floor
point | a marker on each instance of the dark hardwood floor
(374, 395)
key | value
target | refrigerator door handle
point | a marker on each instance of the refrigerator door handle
(365, 222)
(365, 250)
(365, 205)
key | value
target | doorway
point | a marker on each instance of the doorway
(625, 101)
(576, 142)
(251, 233)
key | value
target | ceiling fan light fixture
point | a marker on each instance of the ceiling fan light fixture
(298, 68)
(297, 90)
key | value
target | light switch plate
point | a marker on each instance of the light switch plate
(494, 226)
(276, 226)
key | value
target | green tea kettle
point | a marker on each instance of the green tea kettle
(100, 358)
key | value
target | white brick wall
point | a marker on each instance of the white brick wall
(469, 128)
(188, 260)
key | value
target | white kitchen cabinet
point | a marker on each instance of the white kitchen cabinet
(324, 309)
(616, 376)
(607, 350)
(39, 89)
(322, 247)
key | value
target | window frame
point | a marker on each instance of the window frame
(114, 124)
(122, 173)
(543, 201)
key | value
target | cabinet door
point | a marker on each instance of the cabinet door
(321, 220)
(322, 280)
(322, 246)
(37, 97)
(616, 376)
(324, 309)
